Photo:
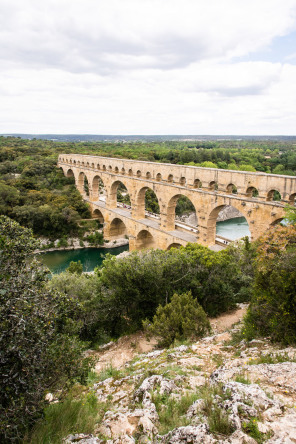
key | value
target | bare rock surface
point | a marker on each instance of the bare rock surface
(210, 391)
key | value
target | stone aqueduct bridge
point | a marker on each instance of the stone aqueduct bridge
(208, 189)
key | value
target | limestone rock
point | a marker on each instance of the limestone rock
(80, 438)
(189, 434)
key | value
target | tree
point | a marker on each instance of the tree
(272, 311)
(39, 350)
(183, 318)
(75, 267)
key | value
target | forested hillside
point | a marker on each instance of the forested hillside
(37, 195)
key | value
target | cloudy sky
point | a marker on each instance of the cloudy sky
(148, 66)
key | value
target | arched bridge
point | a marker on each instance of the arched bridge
(209, 189)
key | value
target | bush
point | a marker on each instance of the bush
(183, 318)
(95, 238)
(272, 311)
(75, 267)
(39, 349)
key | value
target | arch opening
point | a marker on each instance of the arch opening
(197, 183)
(83, 185)
(231, 189)
(274, 195)
(119, 195)
(174, 245)
(183, 181)
(97, 214)
(147, 204)
(181, 215)
(117, 228)
(226, 224)
(170, 178)
(158, 177)
(292, 199)
(145, 240)
(70, 173)
(252, 192)
(213, 186)
(139, 174)
(98, 189)
(148, 175)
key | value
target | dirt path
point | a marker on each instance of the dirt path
(127, 347)
(226, 321)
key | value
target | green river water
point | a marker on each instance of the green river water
(58, 261)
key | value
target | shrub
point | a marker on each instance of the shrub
(95, 238)
(75, 267)
(39, 350)
(272, 311)
(182, 318)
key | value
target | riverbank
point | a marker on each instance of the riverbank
(75, 244)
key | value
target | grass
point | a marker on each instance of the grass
(110, 372)
(172, 411)
(272, 359)
(68, 417)
(219, 422)
(242, 379)
(251, 428)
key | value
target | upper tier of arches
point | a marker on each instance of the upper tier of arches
(255, 186)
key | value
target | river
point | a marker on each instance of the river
(233, 228)
(58, 261)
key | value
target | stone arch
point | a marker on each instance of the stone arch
(74, 162)
(273, 195)
(231, 189)
(104, 168)
(92, 165)
(83, 184)
(252, 192)
(122, 170)
(139, 174)
(130, 172)
(70, 173)
(117, 228)
(141, 202)
(292, 199)
(183, 181)
(276, 221)
(145, 240)
(148, 175)
(213, 186)
(170, 178)
(158, 177)
(87, 164)
(114, 195)
(212, 219)
(98, 166)
(197, 183)
(116, 170)
(98, 188)
(172, 217)
(97, 214)
(174, 245)
(110, 167)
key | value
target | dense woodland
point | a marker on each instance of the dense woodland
(47, 324)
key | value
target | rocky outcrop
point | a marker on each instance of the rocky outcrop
(228, 212)
(238, 394)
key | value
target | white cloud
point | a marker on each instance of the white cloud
(144, 66)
